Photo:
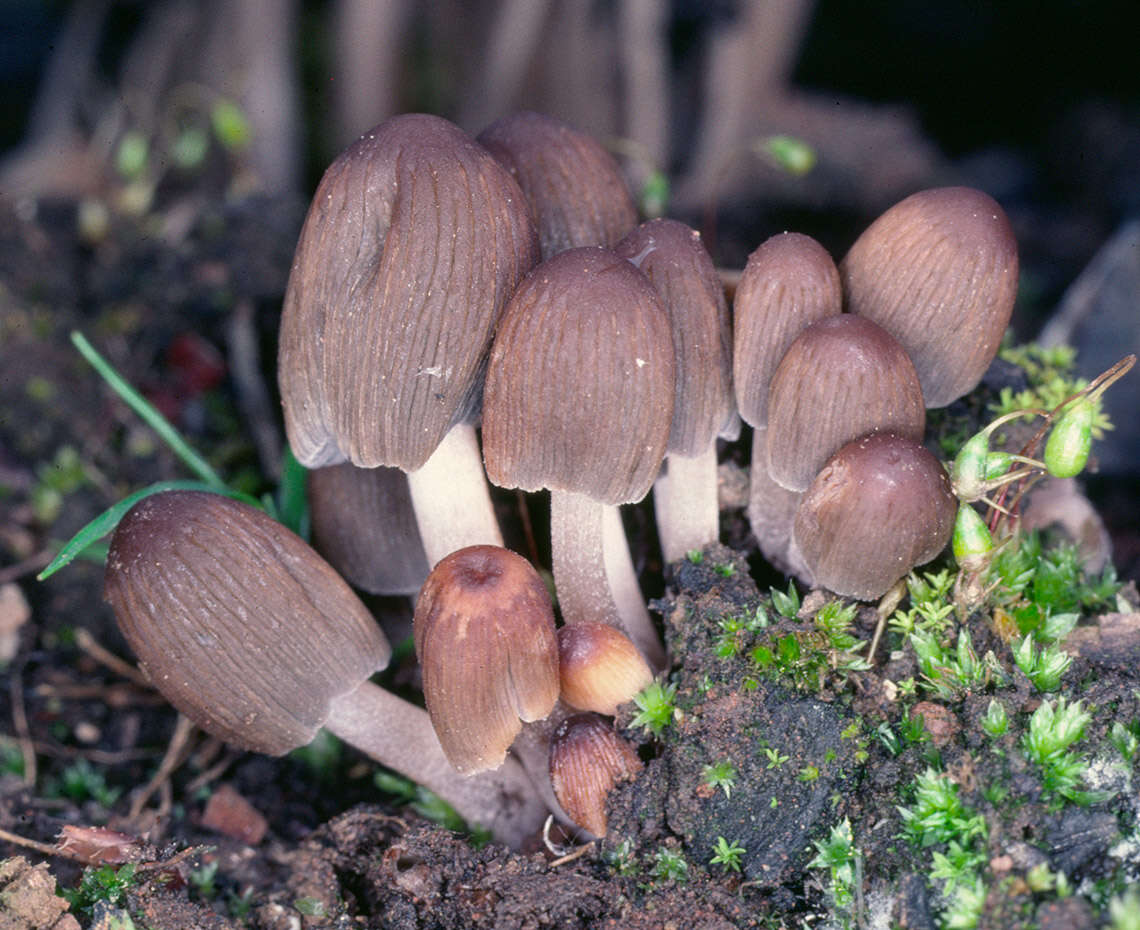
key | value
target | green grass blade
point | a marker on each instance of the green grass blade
(292, 495)
(109, 519)
(140, 405)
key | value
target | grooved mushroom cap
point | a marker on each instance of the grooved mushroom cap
(939, 272)
(599, 666)
(236, 621)
(789, 283)
(364, 524)
(484, 634)
(414, 241)
(841, 378)
(587, 759)
(880, 506)
(574, 187)
(579, 391)
(673, 257)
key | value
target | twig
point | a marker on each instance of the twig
(46, 848)
(20, 726)
(85, 641)
(170, 762)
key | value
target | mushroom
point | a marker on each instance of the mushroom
(587, 759)
(841, 378)
(414, 241)
(788, 283)
(672, 256)
(364, 525)
(938, 271)
(599, 667)
(254, 637)
(881, 505)
(484, 635)
(574, 187)
(579, 399)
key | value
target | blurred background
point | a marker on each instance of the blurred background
(154, 116)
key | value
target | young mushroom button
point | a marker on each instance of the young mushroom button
(254, 637)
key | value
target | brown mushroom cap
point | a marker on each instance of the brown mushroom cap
(880, 506)
(414, 241)
(842, 377)
(789, 283)
(939, 272)
(364, 524)
(579, 390)
(574, 187)
(238, 623)
(599, 667)
(484, 634)
(587, 759)
(673, 257)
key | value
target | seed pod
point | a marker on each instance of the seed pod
(972, 541)
(1068, 446)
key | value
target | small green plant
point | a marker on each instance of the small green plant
(81, 781)
(808, 773)
(840, 857)
(621, 858)
(1124, 910)
(721, 775)
(964, 907)
(204, 880)
(311, 907)
(1045, 668)
(725, 570)
(1126, 739)
(670, 865)
(950, 674)
(774, 757)
(655, 707)
(428, 805)
(995, 722)
(727, 855)
(913, 728)
(103, 883)
(786, 603)
(931, 607)
(695, 556)
(1053, 729)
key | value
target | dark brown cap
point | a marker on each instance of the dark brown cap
(841, 378)
(364, 524)
(579, 392)
(599, 666)
(587, 759)
(414, 241)
(236, 621)
(673, 257)
(789, 283)
(484, 633)
(939, 272)
(880, 506)
(573, 185)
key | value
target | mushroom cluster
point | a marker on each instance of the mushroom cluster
(443, 283)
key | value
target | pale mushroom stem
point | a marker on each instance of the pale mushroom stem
(399, 735)
(685, 503)
(452, 499)
(596, 581)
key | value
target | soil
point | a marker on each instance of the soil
(184, 302)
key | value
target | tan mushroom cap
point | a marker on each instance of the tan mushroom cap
(573, 185)
(599, 667)
(484, 635)
(789, 282)
(880, 506)
(842, 377)
(414, 241)
(673, 257)
(939, 272)
(587, 759)
(579, 390)
(236, 621)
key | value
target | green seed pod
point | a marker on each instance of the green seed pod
(971, 468)
(997, 464)
(971, 540)
(1067, 449)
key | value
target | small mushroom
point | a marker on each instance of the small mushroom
(672, 256)
(484, 635)
(579, 399)
(841, 378)
(574, 187)
(587, 760)
(938, 271)
(880, 506)
(599, 667)
(414, 241)
(254, 637)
